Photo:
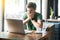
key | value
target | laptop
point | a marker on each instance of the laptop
(16, 26)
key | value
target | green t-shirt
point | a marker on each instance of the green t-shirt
(29, 24)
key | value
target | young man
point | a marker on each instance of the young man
(32, 19)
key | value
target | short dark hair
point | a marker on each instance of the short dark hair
(31, 5)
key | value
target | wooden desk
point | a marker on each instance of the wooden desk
(32, 36)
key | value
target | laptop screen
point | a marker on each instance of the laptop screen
(15, 25)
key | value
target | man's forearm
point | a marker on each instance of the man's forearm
(36, 24)
(25, 21)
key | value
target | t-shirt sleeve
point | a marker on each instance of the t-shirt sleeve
(39, 17)
(24, 16)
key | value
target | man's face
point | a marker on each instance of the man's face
(30, 10)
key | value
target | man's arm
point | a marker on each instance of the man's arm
(37, 24)
(29, 17)
(26, 20)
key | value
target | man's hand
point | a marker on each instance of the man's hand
(30, 15)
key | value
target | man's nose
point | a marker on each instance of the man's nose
(30, 11)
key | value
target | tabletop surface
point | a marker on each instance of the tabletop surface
(31, 36)
(12, 36)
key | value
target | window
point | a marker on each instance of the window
(52, 4)
(14, 9)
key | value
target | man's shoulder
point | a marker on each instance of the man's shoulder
(38, 13)
(25, 15)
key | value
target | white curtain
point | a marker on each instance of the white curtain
(58, 7)
(0, 15)
(44, 9)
